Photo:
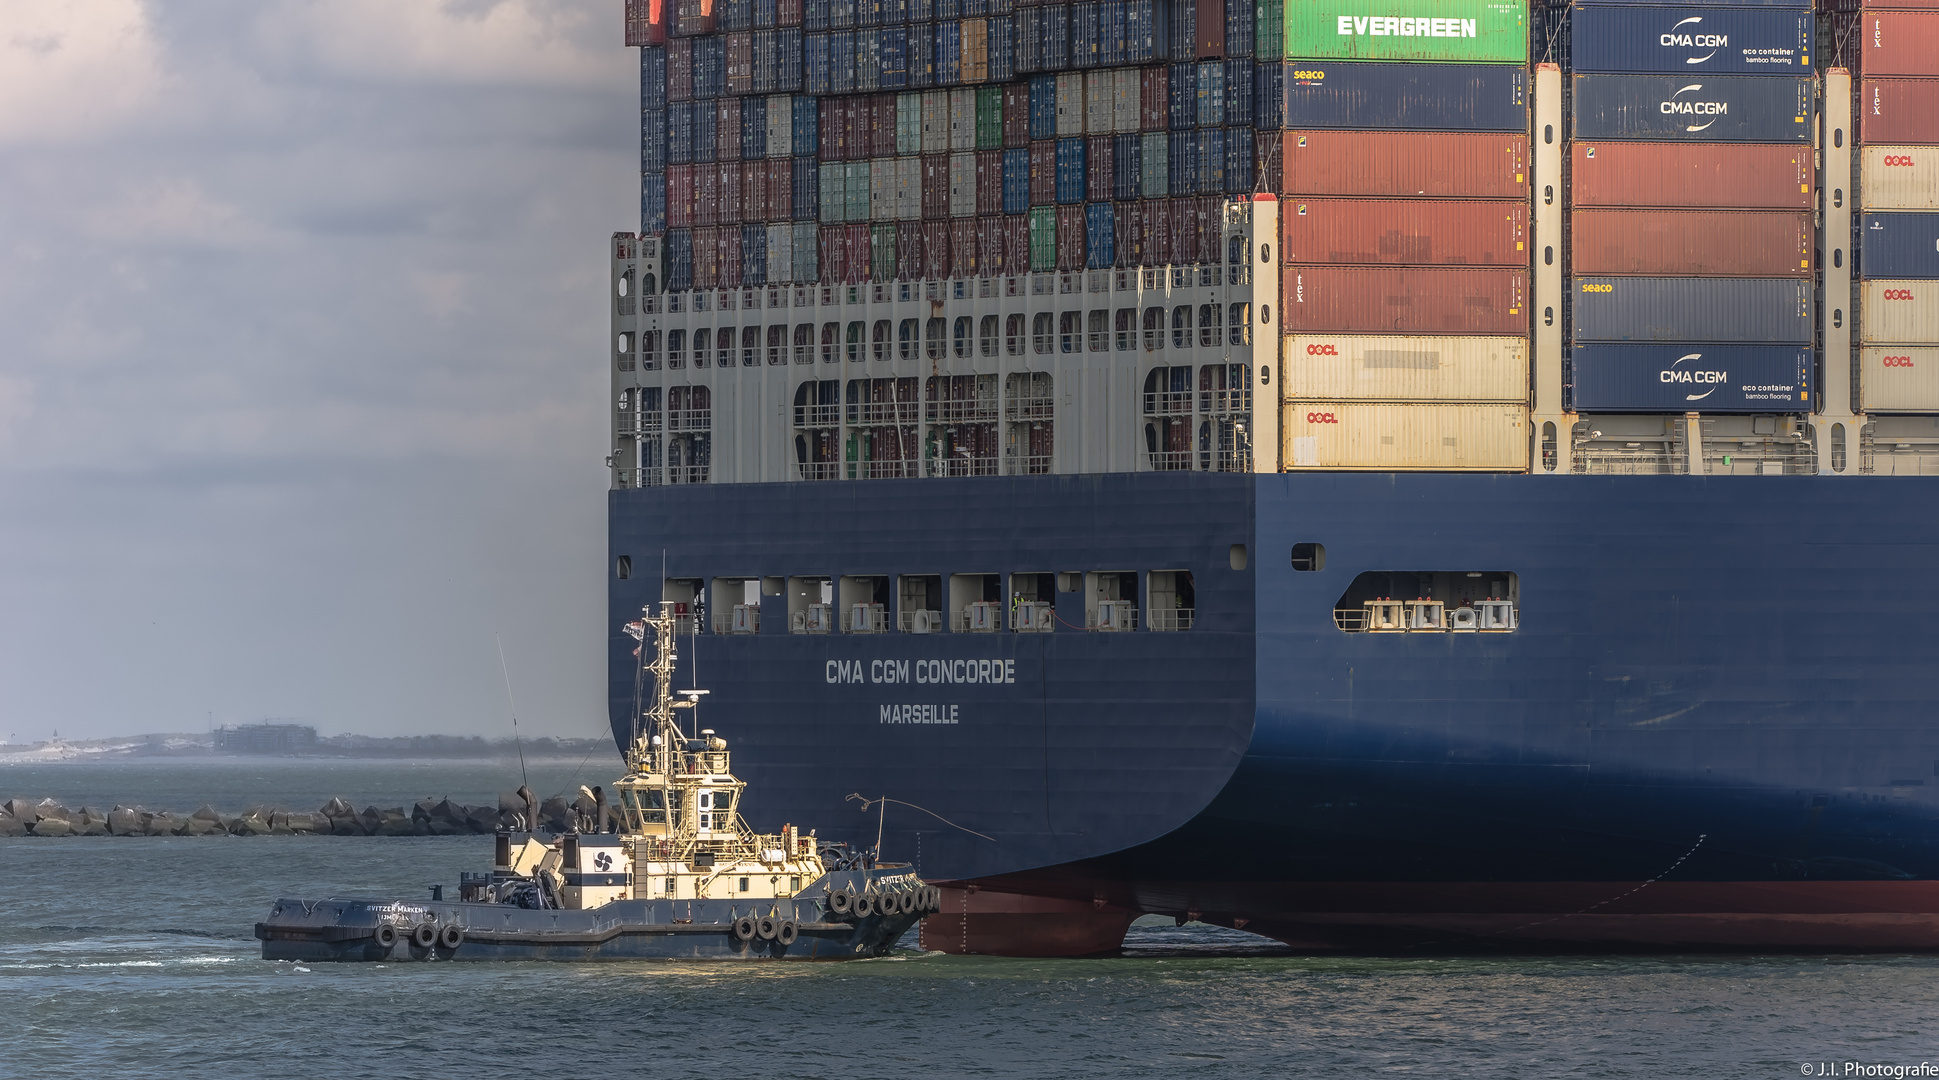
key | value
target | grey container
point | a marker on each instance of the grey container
(1706, 40)
(1694, 108)
(1902, 245)
(1713, 310)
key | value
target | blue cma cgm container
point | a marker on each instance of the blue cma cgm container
(1690, 40)
(1902, 245)
(1709, 108)
(1673, 309)
(1406, 97)
(1686, 377)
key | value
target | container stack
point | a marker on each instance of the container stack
(1405, 234)
(1691, 240)
(1897, 47)
(851, 141)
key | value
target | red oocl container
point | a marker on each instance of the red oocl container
(754, 191)
(963, 250)
(1153, 106)
(740, 63)
(729, 242)
(680, 69)
(1899, 111)
(935, 249)
(1691, 243)
(780, 189)
(1403, 232)
(1159, 245)
(935, 186)
(1406, 164)
(882, 127)
(908, 250)
(1898, 42)
(731, 203)
(680, 192)
(1070, 238)
(1687, 175)
(1043, 172)
(1098, 171)
(989, 182)
(1413, 300)
(706, 195)
(1016, 114)
(706, 258)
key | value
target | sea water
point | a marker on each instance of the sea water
(124, 957)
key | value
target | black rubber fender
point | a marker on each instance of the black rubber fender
(767, 927)
(786, 932)
(451, 936)
(863, 906)
(744, 928)
(424, 935)
(841, 901)
(385, 935)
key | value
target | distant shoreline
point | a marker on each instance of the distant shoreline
(191, 748)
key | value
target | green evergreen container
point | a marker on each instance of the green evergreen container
(1268, 29)
(858, 191)
(1043, 238)
(989, 118)
(1438, 31)
(882, 251)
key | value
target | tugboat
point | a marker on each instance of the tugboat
(682, 876)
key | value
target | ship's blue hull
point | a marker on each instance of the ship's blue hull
(1723, 687)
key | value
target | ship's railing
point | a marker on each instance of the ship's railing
(820, 470)
(1239, 460)
(633, 422)
(1172, 460)
(919, 621)
(962, 465)
(1169, 403)
(1026, 464)
(640, 478)
(1491, 616)
(884, 413)
(1225, 402)
(690, 419)
(885, 469)
(740, 619)
(686, 474)
(1170, 619)
(817, 416)
(1112, 616)
(704, 761)
(1029, 408)
(684, 624)
(971, 410)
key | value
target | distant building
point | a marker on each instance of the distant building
(266, 738)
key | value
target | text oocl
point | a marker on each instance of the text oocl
(1898, 361)
(1321, 418)
(1322, 350)
(1898, 294)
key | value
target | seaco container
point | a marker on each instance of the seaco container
(1898, 42)
(1898, 177)
(1898, 111)
(1407, 97)
(1451, 438)
(1692, 309)
(1404, 232)
(1389, 367)
(1682, 377)
(1439, 31)
(1898, 312)
(1409, 164)
(1899, 378)
(1708, 40)
(1696, 243)
(1712, 108)
(1898, 245)
(1748, 175)
(1385, 300)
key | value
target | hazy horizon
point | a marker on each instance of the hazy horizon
(303, 399)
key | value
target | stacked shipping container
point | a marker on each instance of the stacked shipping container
(1898, 198)
(1691, 229)
(1405, 235)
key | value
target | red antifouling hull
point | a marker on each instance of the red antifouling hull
(990, 922)
(1403, 232)
(1689, 175)
(1405, 164)
(1371, 299)
(1692, 243)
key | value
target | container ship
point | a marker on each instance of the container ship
(1426, 476)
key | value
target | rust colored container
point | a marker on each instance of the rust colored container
(935, 249)
(1687, 175)
(754, 191)
(1894, 111)
(1129, 243)
(882, 127)
(963, 250)
(1043, 172)
(1211, 28)
(989, 246)
(856, 238)
(1070, 238)
(706, 197)
(1898, 42)
(1406, 164)
(1211, 226)
(1182, 222)
(935, 186)
(1271, 160)
(740, 63)
(729, 182)
(1691, 243)
(908, 250)
(1098, 172)
(1403, 232)
(1383, 300)
(706, 258)
(830, 267)
(1016, 244)
(729, 243)
(680, 191)
(727, 127)
(861, 126)
(787, 12)
(680, 69)
(1152, 102)
(989, 182)
(1158, 231)
(831, 137)
(780, 189)
(1016, 114)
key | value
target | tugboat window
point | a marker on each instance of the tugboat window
(1309, 557)
(743, 884)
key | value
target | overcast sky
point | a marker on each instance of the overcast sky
(302, 339)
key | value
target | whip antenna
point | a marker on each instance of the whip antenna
(506, 670)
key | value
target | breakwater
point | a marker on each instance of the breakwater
(337, 817)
